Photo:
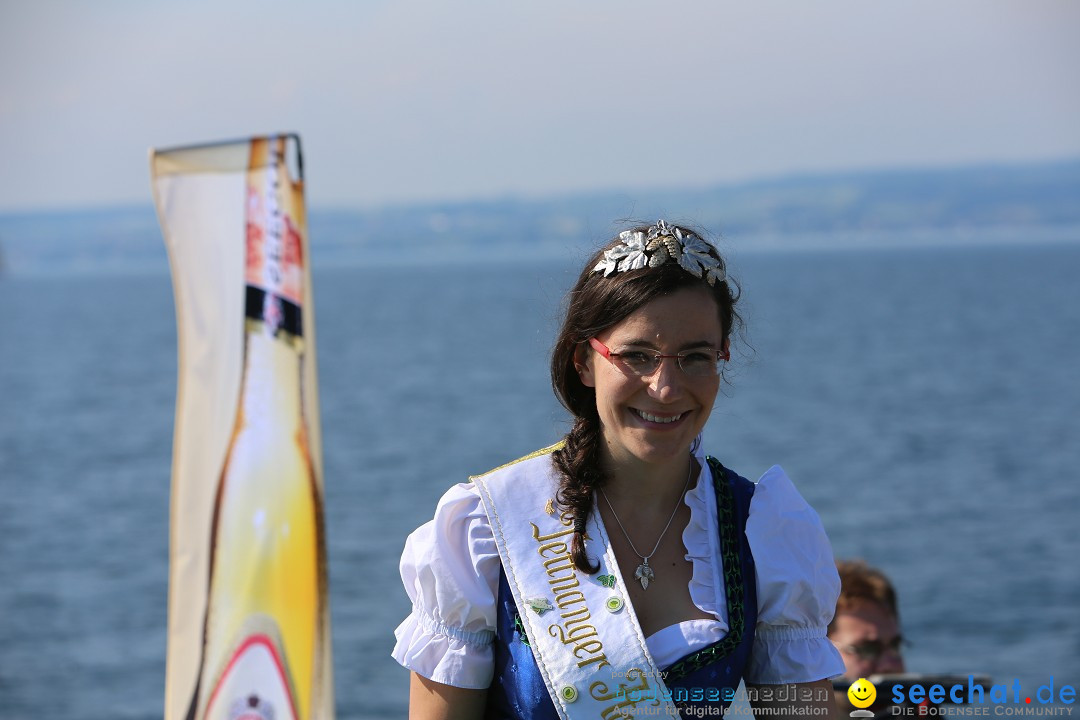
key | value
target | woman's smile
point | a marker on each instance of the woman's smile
(658, 418)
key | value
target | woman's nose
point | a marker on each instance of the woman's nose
(666, 381)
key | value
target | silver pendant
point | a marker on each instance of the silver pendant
(644, 574)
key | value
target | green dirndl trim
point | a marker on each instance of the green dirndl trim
(733, 582)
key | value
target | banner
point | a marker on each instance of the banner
(249, 623)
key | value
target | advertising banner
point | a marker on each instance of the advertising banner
(249, 623)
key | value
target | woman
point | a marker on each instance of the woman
(623, 571)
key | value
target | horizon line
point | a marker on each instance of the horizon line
(540, 197)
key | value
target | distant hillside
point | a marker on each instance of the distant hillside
(865, 205)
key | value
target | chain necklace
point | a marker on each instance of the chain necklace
(644, 574)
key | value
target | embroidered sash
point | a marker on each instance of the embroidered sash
(587, 642)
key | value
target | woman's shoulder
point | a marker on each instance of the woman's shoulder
(772, 492)
(458, 527)
(460, 519)
(776, 499)
(537, 460)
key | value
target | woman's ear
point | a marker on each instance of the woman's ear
(583, 365)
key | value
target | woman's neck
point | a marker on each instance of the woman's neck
(631, 481)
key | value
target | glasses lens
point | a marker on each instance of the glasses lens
(640, 362)
(699, 364)
(869, 650)
(872, 650)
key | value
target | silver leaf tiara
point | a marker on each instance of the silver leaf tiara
(662, 242)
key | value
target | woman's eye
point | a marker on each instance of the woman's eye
(635, 357)
(699, 360)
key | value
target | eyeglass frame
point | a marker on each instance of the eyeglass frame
(658, 358)
(873, 650)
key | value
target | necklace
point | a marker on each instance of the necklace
(644, 574)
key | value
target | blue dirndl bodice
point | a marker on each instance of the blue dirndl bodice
(705, 678)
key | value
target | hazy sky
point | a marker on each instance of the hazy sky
(430, 100)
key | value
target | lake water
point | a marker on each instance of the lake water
(924, 400)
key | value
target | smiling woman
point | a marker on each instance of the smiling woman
(652, 410)
(533, 600)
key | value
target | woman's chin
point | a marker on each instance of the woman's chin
(658, 451)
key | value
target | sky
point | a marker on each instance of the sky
(432, 101)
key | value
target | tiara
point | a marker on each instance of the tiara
(659, 244)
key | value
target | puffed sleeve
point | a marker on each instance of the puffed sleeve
(450, 568)
(797, 587)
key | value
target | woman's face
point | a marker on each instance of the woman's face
(653, 419)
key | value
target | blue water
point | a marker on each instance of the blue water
(925, 401)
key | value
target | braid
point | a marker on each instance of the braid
(578, 461)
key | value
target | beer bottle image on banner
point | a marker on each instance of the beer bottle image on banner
(262, 650)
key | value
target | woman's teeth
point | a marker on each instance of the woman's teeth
(656, 418)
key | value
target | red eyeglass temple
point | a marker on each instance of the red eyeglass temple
(600, 347)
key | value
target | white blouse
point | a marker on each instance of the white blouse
(450, 568)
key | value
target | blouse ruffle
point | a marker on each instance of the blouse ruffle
(450, 568)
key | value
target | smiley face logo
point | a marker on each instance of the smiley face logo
(862, 693)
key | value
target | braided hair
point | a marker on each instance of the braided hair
(596, 303)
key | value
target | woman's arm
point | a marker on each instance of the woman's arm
(795, 697)
(429, 700)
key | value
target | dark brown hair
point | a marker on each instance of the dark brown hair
(594, 304)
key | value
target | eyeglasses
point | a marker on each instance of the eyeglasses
(871, 650)
(694, 363)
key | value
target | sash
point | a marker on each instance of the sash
(584, 635)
